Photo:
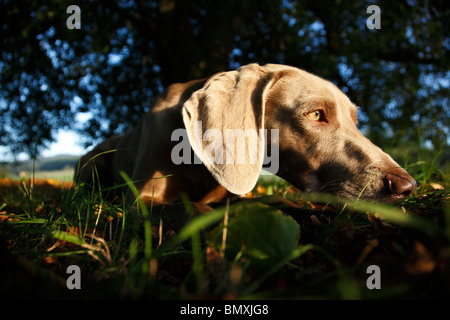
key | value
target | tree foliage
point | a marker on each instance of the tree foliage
(127, 51)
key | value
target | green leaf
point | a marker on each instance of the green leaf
(266, 235)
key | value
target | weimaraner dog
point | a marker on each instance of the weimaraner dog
(307, 122)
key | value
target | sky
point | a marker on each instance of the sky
(67, 143)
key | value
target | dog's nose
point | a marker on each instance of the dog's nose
(399, 183)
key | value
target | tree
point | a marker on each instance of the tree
(127, 51)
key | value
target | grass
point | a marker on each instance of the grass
(274, 243)
(61, 175)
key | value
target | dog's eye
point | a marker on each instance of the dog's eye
(316, 115)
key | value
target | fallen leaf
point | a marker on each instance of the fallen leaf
(436, 186)
(421, 260)
(260, 189)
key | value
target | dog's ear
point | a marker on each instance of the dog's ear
(225, 125)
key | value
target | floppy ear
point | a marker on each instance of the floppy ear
(225, 125)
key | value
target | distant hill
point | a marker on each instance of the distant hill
(55, 163)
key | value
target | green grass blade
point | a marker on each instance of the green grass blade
(200, 223)
(60, 235)
(385, 211)
(147, 224)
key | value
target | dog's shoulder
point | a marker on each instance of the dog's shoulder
(177, 94)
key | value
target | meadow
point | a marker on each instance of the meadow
(274, 243)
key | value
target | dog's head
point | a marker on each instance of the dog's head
(319, 146)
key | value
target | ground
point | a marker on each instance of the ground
(274, 243)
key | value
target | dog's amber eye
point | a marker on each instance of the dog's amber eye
(316, 115)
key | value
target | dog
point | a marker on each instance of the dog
(318, 145)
